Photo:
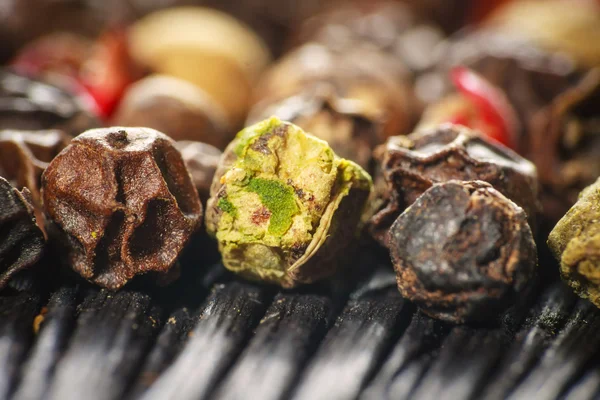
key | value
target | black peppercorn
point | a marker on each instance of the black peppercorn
(462, 252)
(21, 241)
(121, 202)
(409, 165)
(28, 104)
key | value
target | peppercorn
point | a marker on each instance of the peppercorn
(208, 48)
(21, 241)
(283, 207)
(120, 202)
(353, 99)
(463, 252)
(575, 242)
(411, 164)
(176, 107)
(24, 155)
(565, 145)
(28, 104)
(201, 160)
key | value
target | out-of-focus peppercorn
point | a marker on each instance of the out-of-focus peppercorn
(565, 145)
(202, 161)
(463, 252)
(121, 203)
(21, 241)
(353, 99)
(284, 208)
(206, 47)
(176, 107)
(575, 241)
(27, 104)
(24, 155)
(407, 166)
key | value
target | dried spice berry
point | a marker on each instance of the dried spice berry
(284, 208)
(463, 252)
(177, 108)
(209, 48)
(352, 99)
(21, 241)
(201, 160)
(410, 165)
(27, 104)
(565, 145)
(24, 155)
(121, 203)
(575, 241)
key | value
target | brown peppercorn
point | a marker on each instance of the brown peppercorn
(176, 107)
(462, 252)
(565, 145)
(201, 160)
(21, 241)
(352, 99)
(24, 155)
(28, 104)
(409, 165)
(121, 202)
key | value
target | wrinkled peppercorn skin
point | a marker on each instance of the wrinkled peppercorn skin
(462, 252)
(24, 155)
(575, 242)
(121, 202)
(407, 166)
(21, 241)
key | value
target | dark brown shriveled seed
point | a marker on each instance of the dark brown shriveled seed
(21, 241)
(121, 202)
(407, 166)
(462, 252)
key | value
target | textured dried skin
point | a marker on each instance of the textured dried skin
(407, 166)
(121, 202)
(201, 160)
(575, 242)
(24, 155)
(27, 104)
(565, 145)
(21, 241)
(353, 108)
(284, 208)
(176, 107)
(462, 252)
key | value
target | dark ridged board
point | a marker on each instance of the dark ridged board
(213, 335)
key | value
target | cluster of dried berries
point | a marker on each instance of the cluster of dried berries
(575, 241)
(21, 241)
(284, 208)
(354, 99)
(24, 155)
(463, 251)
(409, 165)
(120, 202)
